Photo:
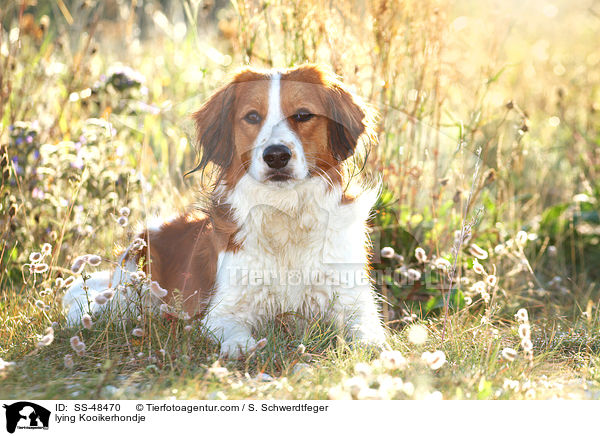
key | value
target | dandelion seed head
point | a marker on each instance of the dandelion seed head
(124, 211)
(262, 343)
(46, 339)
(521, 238)
(434, 360)
(524, 331)
(477, 267)
(393, 359)
(491, 280)
(478, 252)
(526, 344)
(479, 287)
(78, 265)
(417, 334)
(69, 281)
(138, 332)
(442, 264)
(86, 320)
(46, 249)
(413, 274)
(156, 289)
(387, 252)
(509, 354)
(59, 282)
(68, 360)
(122, 221)
(39, 268)
(100, 299)
(108, 294)
(420, 255)
(408, 388)
(363, 369)
(522, 316)
(137, 245)
(355, 385)
(35, 257)
(93, 259)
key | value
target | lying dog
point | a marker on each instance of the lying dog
(281, 233)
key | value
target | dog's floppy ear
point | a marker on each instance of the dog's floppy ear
(348, 120)
(214, 128)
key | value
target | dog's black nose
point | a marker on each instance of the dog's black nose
(277, 156)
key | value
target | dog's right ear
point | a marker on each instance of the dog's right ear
(214, 128)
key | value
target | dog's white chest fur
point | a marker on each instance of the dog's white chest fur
(301, 250)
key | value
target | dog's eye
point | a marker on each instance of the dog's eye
(253, 117)
(302, 115)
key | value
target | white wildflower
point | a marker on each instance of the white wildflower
(477, 267)
(420, 255)
(417, 334)
(86, 320)
(393, 359)
(363, 369)
(100, 299)
(491, 280)
(521, 238)
(478, 252)
(442, 264)
(122, 221)
(46, 249)
(35, 257)
(261, 344)
(524, 331)
(434, 360)
(413, 274)
(78, 264)
(387, 252)
(68, 359)
(522, 315)
(509, 354)
(93, 259)
(156, 289)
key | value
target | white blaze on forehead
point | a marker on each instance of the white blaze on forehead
(276, 130)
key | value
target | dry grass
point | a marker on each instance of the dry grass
(488, 135)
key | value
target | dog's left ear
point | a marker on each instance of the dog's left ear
(348, 120)
(214, 129)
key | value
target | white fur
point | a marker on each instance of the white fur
(80, 297)
(301, 251)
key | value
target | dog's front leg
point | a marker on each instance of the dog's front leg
(360, 316)
(233, 333)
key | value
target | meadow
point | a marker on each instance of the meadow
(486, 237)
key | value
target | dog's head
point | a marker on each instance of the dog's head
(280, 126)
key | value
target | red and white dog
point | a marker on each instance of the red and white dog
(281, 233)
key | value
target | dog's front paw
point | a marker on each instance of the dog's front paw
(237, 347)
(372, 337)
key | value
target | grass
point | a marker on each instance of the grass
(488, 132)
